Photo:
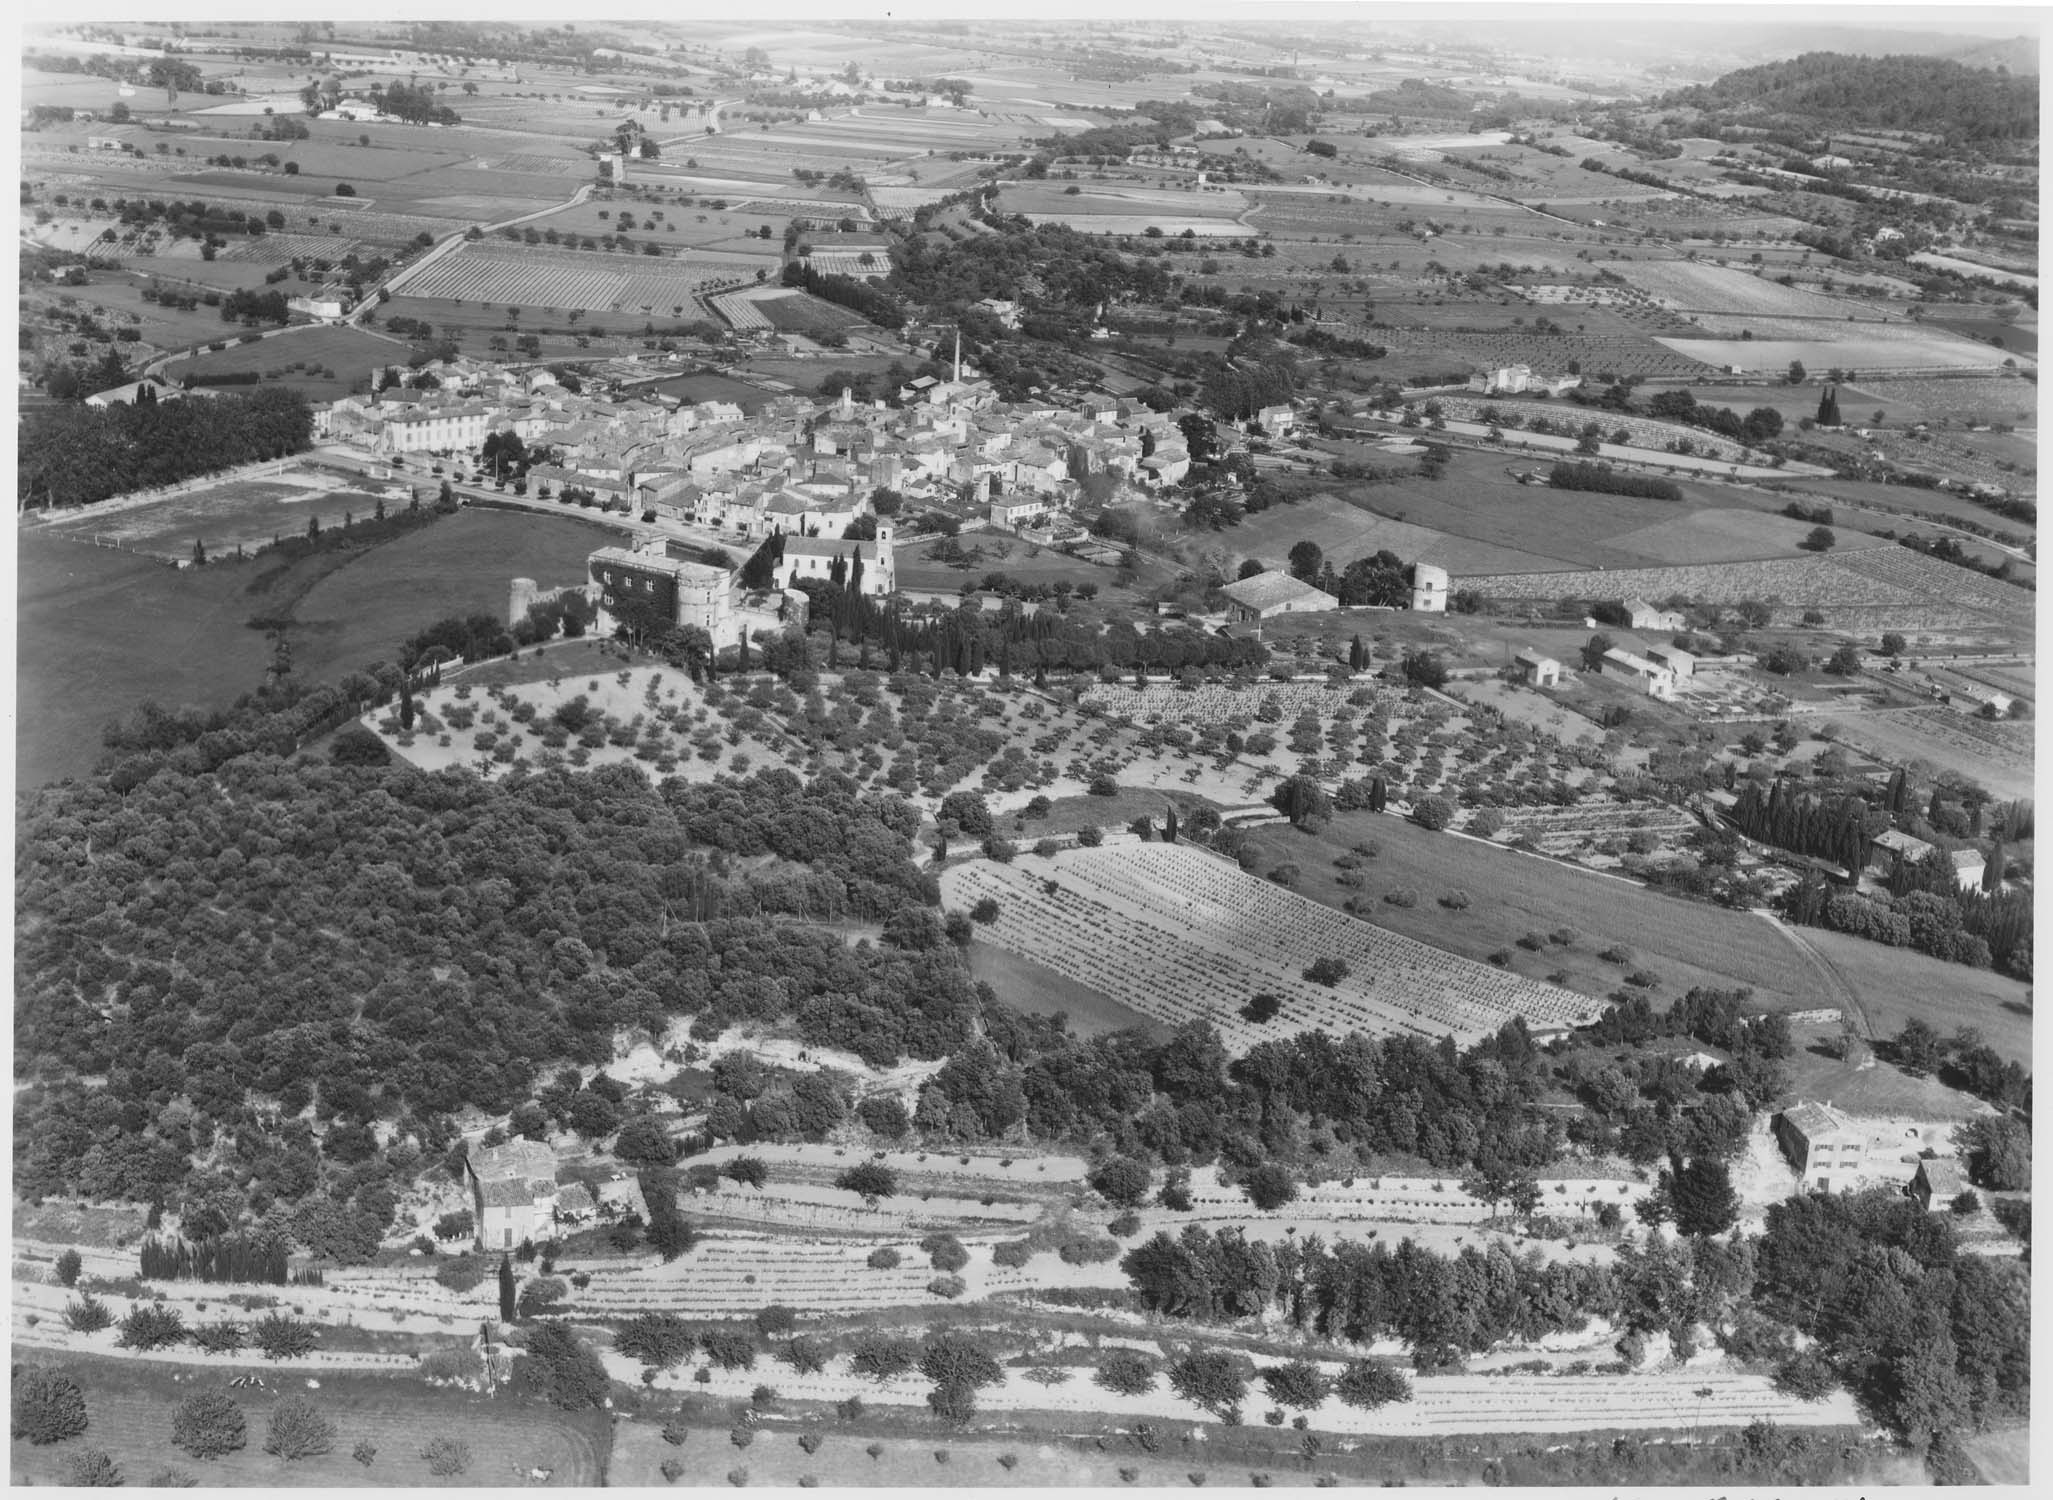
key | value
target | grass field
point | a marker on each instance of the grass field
(324, 362)
(461, 565)
(1684, 942)
(129, 1406)
(1895, 984)
(1040, 991)
(98, 631)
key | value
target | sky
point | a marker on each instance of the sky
(2000, 20)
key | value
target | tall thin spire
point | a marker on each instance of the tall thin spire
(958, 356)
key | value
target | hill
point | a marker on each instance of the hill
(1839, 91)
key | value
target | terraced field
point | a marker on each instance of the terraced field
(1179, 934)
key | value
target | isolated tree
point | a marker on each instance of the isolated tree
(1819, 539)
(1270, 1186)
(872, 1179)
(508, 1301)
(1306, 559)
(1126, 1372)
(68, 1266)
(1299, 1384)
(1919, 1048)
(1121, 1181)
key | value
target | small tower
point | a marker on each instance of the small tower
(846, 408)
(1428, 588)
(958, 356)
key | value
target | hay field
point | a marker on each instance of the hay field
(1346, 532)
(1896, 350)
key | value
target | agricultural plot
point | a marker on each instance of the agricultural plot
(1718, 536)
(1346, 532)
(1880, 588)
(247, 512)
(1215, 705)
(1901, 350)
(1683, 944)
(567, 279)
(1942, 738)
(1178, 935)
(129, 1408)
(324, 362)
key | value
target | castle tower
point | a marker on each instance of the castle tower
(619, 160)
(887, 566)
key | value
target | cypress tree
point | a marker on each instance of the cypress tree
(1169, 825)
(1992, 877)
(508, 1308)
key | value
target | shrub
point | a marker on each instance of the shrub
(884, 1258)
(562, 1368)
(68, 1265)
(282, 1337)
(806, 1355)
(93, 1468)
(729, 1348)
(945, 1252)
(1126, 1372)
(883, 1357)
(1125, 1226)
(298, 1430)
(149, 1326)
(461, 1273)
(171, 1479)
(446, 1456)
(776, 1320)
(1403, 897)
(741, 1437)
(810, 1441)
(1366, 1384)
(208, 1425)
(224, 1337)
(659, 1340)
(87, 1314)
(1300, 1384)
(365, 1452)
(1087, 1250)
(48, 1406)
(1432, 813)
(671, 1469)
(948, 1286)
(1210, 1378)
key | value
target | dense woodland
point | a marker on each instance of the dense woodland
(77, 455)
(1835, 91)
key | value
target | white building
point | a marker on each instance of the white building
(1537, 670)
(1657, 680)
(1428, 588)
(1641, 615)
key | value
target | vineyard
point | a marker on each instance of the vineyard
(1216, 705)
(1179, 935)
(1562, 831)
(531, 277)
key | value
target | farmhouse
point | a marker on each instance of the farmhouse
(1005, 312)
(1536, 670)
(1266, 595)
(1679, 662)
(1936, 1183)
(1658, 681)
(1820, 1145)
(324, 307)
(1518, 380)
(1969, 866)
(116, 138)
(1641, 615)
(1276, 421)
(1885, 848)
(513, 1190)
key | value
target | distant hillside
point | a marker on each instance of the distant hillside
(1836, 91)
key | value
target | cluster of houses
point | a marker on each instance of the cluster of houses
(788, 467)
